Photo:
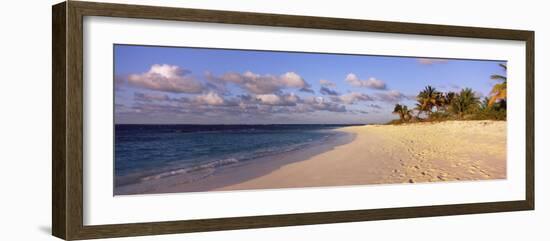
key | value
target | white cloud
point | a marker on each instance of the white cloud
(327, 83)
(372, 82)
(391, 96)
(291, 98)
(270, 99)
(265, 84)
(210, 99)
(321, 104)
(353, 97)
(168, 78)
(291, 79)
(280, 100)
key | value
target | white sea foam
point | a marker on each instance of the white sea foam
(210, 166)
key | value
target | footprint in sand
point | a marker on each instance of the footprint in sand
(487, 175)
(476, 169)
(457, 164)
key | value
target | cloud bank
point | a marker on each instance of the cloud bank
(168, 78)
(263, 84)
(372, 82)
(352, 98)
(169, 90)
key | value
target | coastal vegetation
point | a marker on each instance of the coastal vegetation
(466, 104)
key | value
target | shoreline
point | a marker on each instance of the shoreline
(369, 154)
(393, 154)
(236, 173)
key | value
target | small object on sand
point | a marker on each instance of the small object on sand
(411, 181)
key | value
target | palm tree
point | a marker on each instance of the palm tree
(428, 99)
(465, 102)
(406, 113)
(398, 109)
(447, 99)
(403, 112)
(498, 93)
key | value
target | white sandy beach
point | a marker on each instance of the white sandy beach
(371, 154)
(412, 153)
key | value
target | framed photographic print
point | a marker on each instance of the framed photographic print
(171, 120)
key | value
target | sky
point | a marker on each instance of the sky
(179, 85)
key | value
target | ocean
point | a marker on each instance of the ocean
(150, 152)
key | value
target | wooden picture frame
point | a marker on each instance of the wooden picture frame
(67, 124)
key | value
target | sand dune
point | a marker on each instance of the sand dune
(412, 153)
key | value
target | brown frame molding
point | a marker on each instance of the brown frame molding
(67, 121)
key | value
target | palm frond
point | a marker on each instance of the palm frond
(498, 77)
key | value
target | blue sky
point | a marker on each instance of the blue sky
(175, 85)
